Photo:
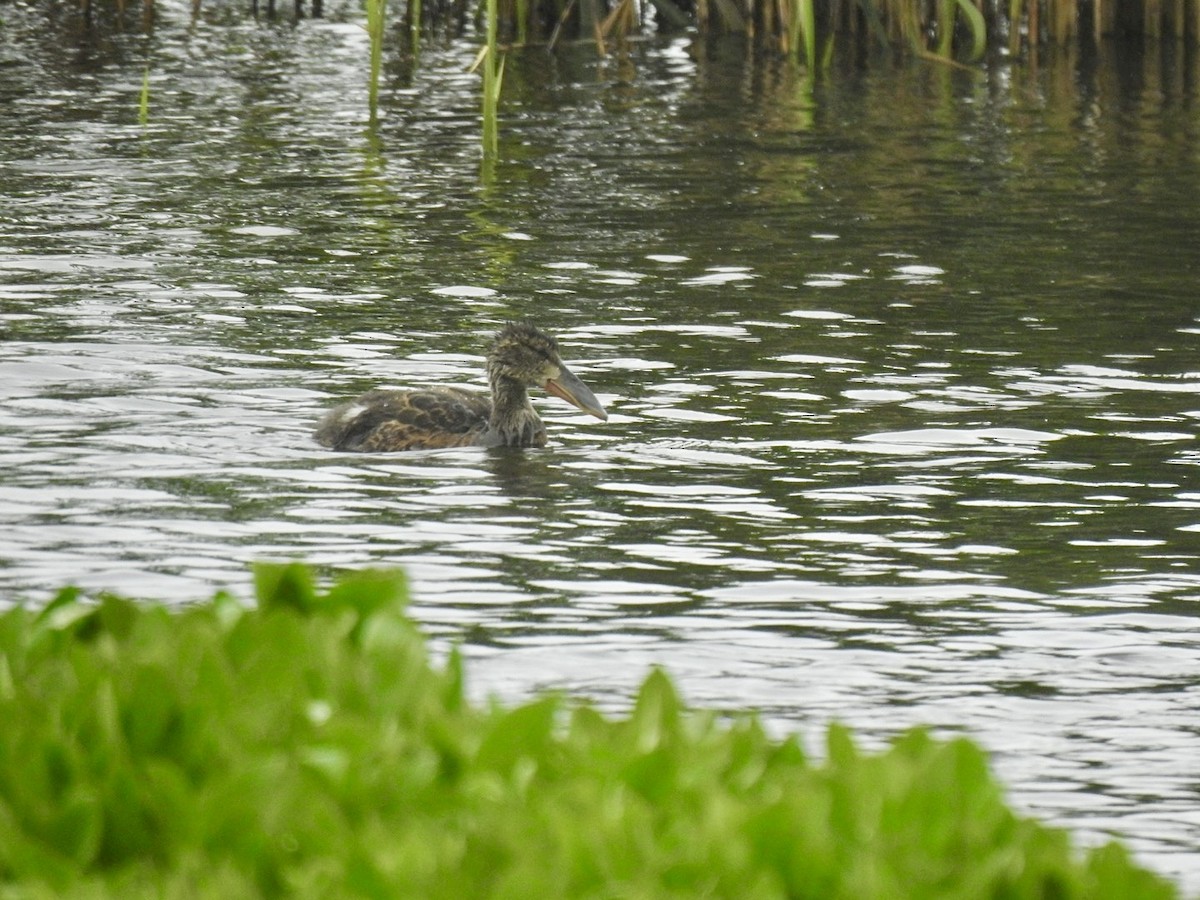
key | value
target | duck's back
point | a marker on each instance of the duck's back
(407, 420)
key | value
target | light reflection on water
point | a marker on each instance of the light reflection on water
(872, 456)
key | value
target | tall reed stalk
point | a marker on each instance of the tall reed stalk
(414, 25)
(144, 100)
(804, 31)
(493, 75)
(376, 19)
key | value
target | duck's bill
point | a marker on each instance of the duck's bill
(575, 392)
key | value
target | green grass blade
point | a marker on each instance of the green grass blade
(144, 99)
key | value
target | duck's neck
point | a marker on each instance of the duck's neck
(513, 422)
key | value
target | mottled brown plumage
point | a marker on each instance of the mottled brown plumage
(521, 356)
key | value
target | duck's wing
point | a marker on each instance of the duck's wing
(407, 420)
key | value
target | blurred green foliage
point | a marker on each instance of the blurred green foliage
(307, 747)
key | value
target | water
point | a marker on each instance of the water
(903, 374)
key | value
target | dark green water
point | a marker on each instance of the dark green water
(904, 373)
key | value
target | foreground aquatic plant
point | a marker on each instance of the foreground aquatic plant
(307, 747)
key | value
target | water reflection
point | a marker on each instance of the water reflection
(903, 374)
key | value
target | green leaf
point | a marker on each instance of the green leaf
(76, 829)
(369, 592)
(150, 710)
(656, 712)
(117, 615)
(454, 692)
(522, 732)
(840, 743)
(65, 598)
(66, 614)
(285, 586)
(24, 858)
(257, 754)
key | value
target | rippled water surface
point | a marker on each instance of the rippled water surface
(903, 374)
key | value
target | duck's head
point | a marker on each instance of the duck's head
(530, 356)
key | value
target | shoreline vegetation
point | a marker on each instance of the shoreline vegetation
(810, 30)
(306, 746)
(962, 34)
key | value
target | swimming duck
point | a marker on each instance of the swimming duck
(521, 357)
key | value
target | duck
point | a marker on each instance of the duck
(521, 356)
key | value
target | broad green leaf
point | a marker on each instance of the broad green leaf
(656, 712)
(285, 586)
(522, 732)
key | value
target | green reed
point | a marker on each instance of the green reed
(521, 13)
(376, 23)
(805, 31)
(493, 76)
(144, 99)
(414, 25)
(949, 30)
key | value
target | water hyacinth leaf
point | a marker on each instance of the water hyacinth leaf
(654, 775)
(369, 591)
(64, 611)
(275, 757)
(226, 610)
(330, 762)
(1110, 869)
(131, 830)
(655, 712)
(8, 687)
(588, 728)
(151, 710)
(117, 616)
(789, 755)
(171, 795)
(365, 879)
(840, 745)
(454, 692)
(65, 597)
(24, 856)
(77, 827)
(521, 733)
(747, 749)
(286, 586)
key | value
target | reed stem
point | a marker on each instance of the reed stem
(144, 99)
(493, 74)
(376, 18)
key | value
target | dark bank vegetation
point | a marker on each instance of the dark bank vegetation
(308, 747)
(813, 29)
(809, 29)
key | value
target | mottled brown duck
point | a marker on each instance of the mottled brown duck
(521, 357)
